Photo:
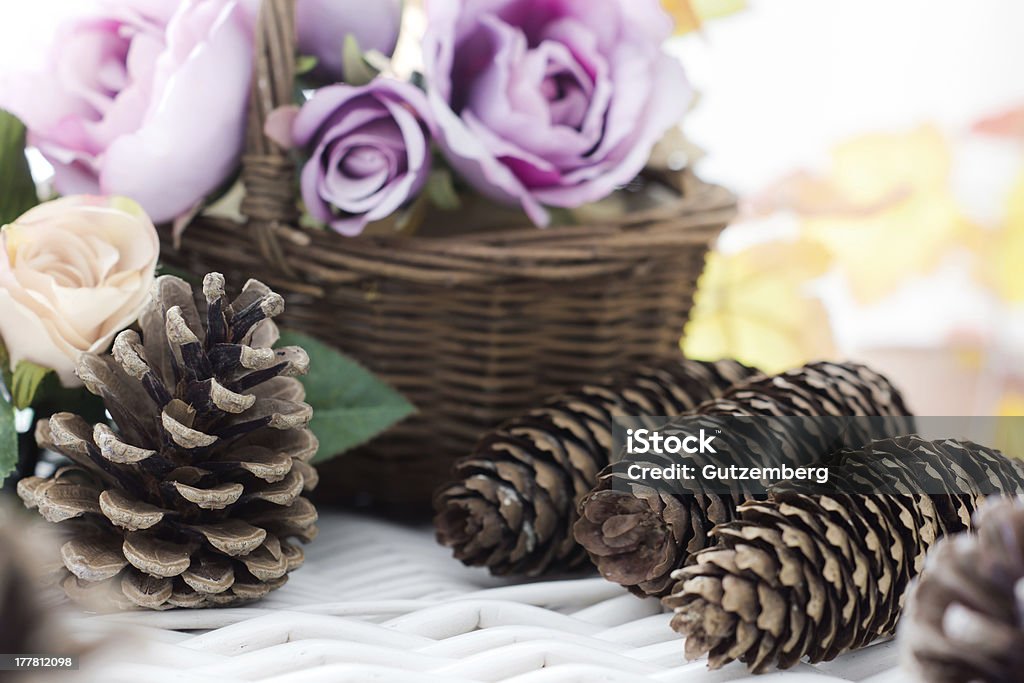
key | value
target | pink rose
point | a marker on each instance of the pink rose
(146, 100)
(551, 102)
(73, 273)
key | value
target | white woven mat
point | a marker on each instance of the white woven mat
(381, 602)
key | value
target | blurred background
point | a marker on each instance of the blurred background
(878, 148)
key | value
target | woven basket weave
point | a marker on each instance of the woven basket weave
(471, 328)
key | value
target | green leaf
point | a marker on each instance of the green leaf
(8, 438)
(350, 404)
(441, 190)
(25, 383)
(8, 433)
(377, 60)
(17, 189)
(5, 366)
(304, 64)
(357, 70)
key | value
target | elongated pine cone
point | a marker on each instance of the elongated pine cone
(637, 534)
(513, 502)
(195, 497)
(814, 573)
(965, 617)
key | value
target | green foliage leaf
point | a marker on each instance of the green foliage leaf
(5, 365)
(8, 438)
(17, 189)
(304, 64)
(8, 433)
(25, 383)
(358, 71)
(350, 404)
(441, 190)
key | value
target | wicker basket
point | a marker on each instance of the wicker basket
(472, 328)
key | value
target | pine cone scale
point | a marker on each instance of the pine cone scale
(209, 575)
(62, 498)
(93, 558)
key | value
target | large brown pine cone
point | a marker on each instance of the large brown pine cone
(513, 502)
(194, 497)
(814, 572)
(637, 534)
(965, 617)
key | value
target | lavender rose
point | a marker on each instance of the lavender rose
(370, 151)
(146, 100)
(553, 102)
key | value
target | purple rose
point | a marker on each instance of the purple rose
(324, 24)
(370, 151)
(555, 102)
(145, 100)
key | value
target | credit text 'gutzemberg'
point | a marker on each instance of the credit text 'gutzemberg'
(645, 441)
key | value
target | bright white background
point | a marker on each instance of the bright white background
(786, 79)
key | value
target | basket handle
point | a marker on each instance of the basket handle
(267, 170)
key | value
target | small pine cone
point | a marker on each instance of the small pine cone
(638, 535)
(194, 498)
(965, 617)
(814, 572)
(513, 503)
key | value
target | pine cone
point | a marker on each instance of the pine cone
(638, 535)
(513, 503)
(193, 499)
(814, 574)
(965, 617)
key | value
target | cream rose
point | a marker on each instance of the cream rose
(73, 273)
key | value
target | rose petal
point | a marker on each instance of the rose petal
(192, 147)
(279, 124)
(324, 24)
(27, 338)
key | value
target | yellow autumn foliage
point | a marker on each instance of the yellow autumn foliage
(755, 306)
(1001, 252)
(1010, 430)
(690, 15)
(884, 208)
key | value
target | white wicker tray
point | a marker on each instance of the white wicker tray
(378, 601)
